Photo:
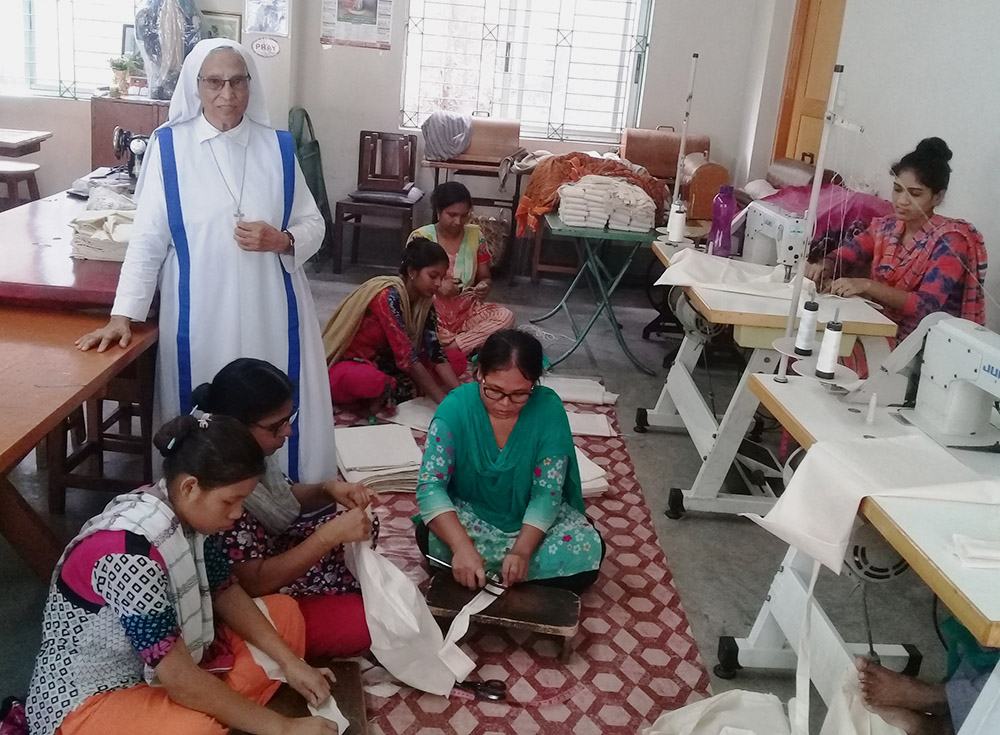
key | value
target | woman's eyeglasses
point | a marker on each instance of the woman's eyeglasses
(215, 84)
(277, 427)
(520, 397)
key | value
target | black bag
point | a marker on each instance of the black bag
(308, 155)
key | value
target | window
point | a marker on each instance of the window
(60, 47)
(567, 69)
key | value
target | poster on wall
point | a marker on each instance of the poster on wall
(366, 23)
(266, 16)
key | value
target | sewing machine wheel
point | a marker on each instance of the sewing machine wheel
(119, 141)
(870, 557)
(689, 317)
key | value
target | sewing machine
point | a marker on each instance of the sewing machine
(773, 236)
(125, 141)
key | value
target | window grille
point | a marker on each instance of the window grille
(60, 47)
(567, 69)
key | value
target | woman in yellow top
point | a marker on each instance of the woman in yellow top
(465, 320)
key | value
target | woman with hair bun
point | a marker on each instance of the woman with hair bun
(382, 343)
(915, 262)
(136, 597)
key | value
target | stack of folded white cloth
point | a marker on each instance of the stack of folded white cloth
(585, 203)
(383, 457)
(630, 208)
(101, 234)
(593, 478)
(579, 390)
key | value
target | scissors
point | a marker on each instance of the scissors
(494, 582)
(491, 690)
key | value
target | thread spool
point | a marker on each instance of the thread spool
(829, 351)
(805, 338)
(676, 222)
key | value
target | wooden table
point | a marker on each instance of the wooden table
(46, 378)
(17, 143)
(35, 265)
(918, 529)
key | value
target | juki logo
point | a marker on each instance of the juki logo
(993, 370)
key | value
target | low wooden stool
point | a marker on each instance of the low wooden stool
(12, 173)
(347, 691)
(533, 607)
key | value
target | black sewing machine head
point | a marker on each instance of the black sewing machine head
(125, 142)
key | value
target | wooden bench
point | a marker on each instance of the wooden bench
(347, 691)
(527, 606)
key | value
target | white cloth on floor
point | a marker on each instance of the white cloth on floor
(589, 424)
(816, 512)
(975, 552)
(690, 267)
(416, 413)
(579, 390)
(593, 477)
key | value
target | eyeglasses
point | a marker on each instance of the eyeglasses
(277, 427)
(215, 84)
(518, 398)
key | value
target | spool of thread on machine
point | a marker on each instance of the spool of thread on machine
(677, 222)
(829, 350)
(805, 338)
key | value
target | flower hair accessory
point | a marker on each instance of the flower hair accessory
(204, 420)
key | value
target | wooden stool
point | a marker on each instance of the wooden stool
(533, 607)
(12, 173)
(347, 692)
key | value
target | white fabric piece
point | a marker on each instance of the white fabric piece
(589, 424)
(594, 488)
(327, 710)
(759, 188)
(690, 267)
(975, 552)
(589, 470)
(453, 656)
(836, 476)
(579, 390)
(406, 639)
(416, 413)
(754, 712)
(185, 104)
(377, 447)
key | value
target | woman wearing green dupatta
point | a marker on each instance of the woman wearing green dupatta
(499, 488)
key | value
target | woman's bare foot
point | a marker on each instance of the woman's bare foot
(914, 723)
(881, 687)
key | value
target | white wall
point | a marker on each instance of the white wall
(917, 68)
(66, 155)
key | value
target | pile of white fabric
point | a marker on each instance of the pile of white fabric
(603, 201)
(383, 457)
(101, 234)
(593, 478)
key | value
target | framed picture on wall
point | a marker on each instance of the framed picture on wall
(128, 40)
(222, 25)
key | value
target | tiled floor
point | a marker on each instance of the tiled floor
(722, 565)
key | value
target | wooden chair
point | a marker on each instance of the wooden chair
(387, 164)
(13, 173)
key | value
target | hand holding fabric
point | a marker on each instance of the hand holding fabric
(352, 525)
(351, 494)
(514, 568)
(450, 287)
(468, 568)
(847, 287)
(313, 684)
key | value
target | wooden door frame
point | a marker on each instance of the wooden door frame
(781, 132)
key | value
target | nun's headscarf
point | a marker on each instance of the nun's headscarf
(186, 103)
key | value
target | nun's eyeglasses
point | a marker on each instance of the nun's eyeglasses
(215, 84)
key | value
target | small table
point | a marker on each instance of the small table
(591, 243)
(913, 526)
(45, 379)
(757, 321)
(17, 143)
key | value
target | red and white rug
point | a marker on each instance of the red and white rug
(633, 659)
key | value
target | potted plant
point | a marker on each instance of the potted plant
(120, 66)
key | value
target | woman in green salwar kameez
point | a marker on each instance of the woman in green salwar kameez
(499, 488)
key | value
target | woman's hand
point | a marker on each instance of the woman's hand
(313, 684)
(118, 329)
(820, 271)
(351, 525)
(450, 287)
(481, 289)
(468, 568)
(350, 494)
(261, 237)
(309, 726)
(514, 568)
(847, 287)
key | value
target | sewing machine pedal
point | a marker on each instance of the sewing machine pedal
(532, 607)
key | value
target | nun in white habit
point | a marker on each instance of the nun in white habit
(224, 225)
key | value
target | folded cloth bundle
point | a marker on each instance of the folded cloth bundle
(101, 234)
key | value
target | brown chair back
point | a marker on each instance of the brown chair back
(386, 161)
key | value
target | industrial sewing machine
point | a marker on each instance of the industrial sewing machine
(773, 236)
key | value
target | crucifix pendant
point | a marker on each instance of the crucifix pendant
(238, 215)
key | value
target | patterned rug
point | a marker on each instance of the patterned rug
(633, 659)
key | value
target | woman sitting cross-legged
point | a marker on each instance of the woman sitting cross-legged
(274, 547)
(129, 639)
(499, 488)
(465, 318)
(382, 343)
